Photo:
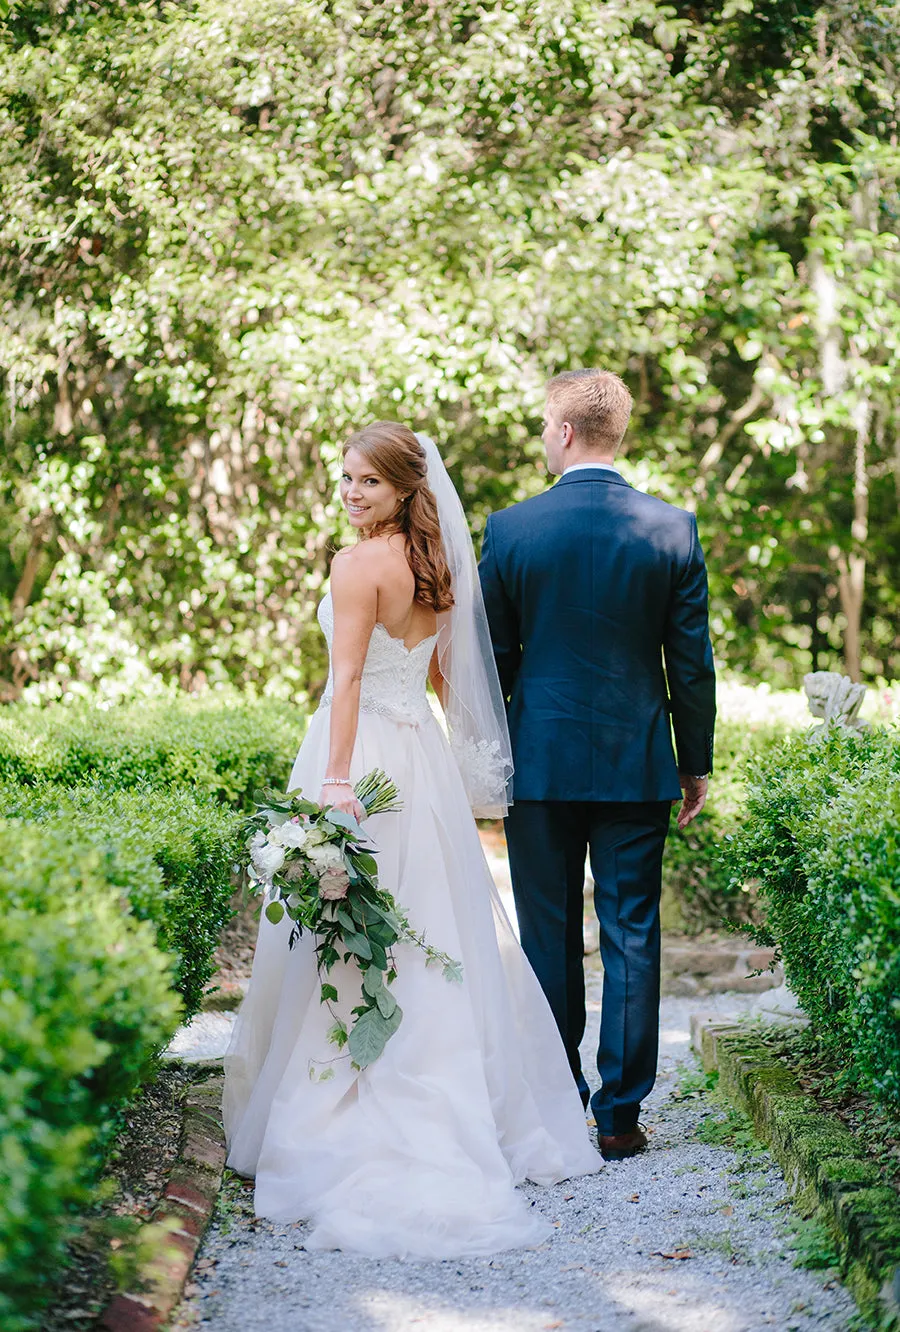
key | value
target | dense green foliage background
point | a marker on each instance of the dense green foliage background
(232, 232)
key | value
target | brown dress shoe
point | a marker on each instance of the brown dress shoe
(619, 1146)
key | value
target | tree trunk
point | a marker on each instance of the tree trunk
(22, 595)
(852, 567)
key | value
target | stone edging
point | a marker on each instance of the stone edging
(172, 1236)
(824, 1165)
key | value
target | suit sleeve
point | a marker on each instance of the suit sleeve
(689, 664)
(501, 614)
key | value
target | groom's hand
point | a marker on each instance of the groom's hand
(695, 789)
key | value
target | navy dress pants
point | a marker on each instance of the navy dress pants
(547, 842)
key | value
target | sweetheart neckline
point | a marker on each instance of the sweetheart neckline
(432, 638)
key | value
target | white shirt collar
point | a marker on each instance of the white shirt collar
(591, 466)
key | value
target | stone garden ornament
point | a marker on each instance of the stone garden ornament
(836, 699)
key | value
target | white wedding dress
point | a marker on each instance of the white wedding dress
(418, 1154)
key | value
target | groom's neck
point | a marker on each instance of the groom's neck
(580, 459)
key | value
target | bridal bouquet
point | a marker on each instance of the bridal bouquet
(309, 863)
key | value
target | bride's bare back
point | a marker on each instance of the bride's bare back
(371, 583)
(402, 616)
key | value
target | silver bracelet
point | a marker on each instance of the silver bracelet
(335, 781)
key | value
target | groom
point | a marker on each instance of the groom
(597, 600)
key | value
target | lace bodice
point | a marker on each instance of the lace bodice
(394, 676)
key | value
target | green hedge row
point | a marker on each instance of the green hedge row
(169, 854)
(85, 1003)
(223, 750)
(821, 839)
(118, 832)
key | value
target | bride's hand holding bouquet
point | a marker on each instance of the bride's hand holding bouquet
(339, 794)
(314, 864)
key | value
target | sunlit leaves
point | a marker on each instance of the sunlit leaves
(232, 233)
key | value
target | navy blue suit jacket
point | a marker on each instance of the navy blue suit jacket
(596, 596)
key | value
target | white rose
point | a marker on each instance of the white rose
(267, 859)
(289, 834)
(327, 857)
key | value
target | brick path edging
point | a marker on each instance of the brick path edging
(823, 1163)
(168, 1243)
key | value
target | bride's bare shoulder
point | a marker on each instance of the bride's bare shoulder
(377, 560)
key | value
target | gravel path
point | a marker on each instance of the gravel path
(688, 1237)
(719, 1213)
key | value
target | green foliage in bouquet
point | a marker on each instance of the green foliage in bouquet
(84, 1006)
(223, 750)
(169, 853)
(315, 867)
(821, 839)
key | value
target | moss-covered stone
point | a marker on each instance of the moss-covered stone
(839, 1174)
(824, 1164)
(748, 1068)
(770, 1078)
(816, 1140)
(871, 1217)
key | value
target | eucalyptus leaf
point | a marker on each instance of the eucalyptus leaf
(387, 1005)
(389, 917)
(379, 955)
(373, 981)
(358, 944)
(370, 1034)
(344, 820)
(275, 912)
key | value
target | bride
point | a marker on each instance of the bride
(420, 1153)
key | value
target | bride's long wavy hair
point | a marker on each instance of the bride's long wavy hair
(395, 454)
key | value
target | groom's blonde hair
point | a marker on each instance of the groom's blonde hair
(596, 403)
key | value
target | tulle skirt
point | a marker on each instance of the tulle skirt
(418, 1154)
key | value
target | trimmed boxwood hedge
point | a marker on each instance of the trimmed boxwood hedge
(221, 749)
(821, 838)
(85, 1003)
(169, 853)
(118, 833)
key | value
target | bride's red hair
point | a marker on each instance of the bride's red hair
(395, 454)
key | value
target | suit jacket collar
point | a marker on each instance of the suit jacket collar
(590, 475)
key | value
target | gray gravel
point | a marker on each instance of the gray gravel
(724, 1214)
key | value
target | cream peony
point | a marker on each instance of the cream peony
(289, 834)
(267, 859)
(327, 857)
